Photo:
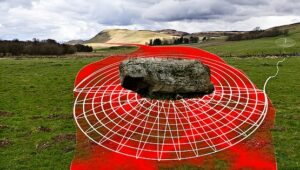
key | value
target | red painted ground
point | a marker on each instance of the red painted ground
(255, 152)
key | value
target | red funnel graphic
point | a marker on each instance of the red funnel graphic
(118, 129)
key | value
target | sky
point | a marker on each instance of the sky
(65, 20)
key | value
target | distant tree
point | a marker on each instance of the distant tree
(194, 39)
(70, 49)
(166, 41)
(35, 47)
(257, 29)
(35, 41)
(157, 41)
(50, 41)
(174, 40)
(151, 42)
(186, 41)
(16, 47)
(180, 40)
(257, 34)
(83, 48)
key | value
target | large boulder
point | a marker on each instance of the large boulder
(166, 78)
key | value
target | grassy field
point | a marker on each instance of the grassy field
(284, 93)
(37, 129)
(115, 50)
(256, 47)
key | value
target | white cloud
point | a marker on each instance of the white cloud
(171, 10)
(78, 19)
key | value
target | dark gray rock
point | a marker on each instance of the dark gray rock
(166, 78)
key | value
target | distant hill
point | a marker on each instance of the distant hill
(266, 46)
(125, 36)
(217, 33)
(288, 27)
(74, 42)
(172, 32)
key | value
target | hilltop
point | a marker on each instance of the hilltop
(74, 42)
(126, 36)
(172, 32)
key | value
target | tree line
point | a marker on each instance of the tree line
(257, 34)
(83, 48)
(37, 47)
(174, 41)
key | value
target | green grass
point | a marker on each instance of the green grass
(284, 93)
(257, 47)
(37, 93)
(116, 50)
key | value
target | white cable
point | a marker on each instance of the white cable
(277, 66)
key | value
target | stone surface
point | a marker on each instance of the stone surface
(166, 78)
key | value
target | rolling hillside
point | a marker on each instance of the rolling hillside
(125, 36)
(289, 45)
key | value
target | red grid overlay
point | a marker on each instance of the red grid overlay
(117, 120)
